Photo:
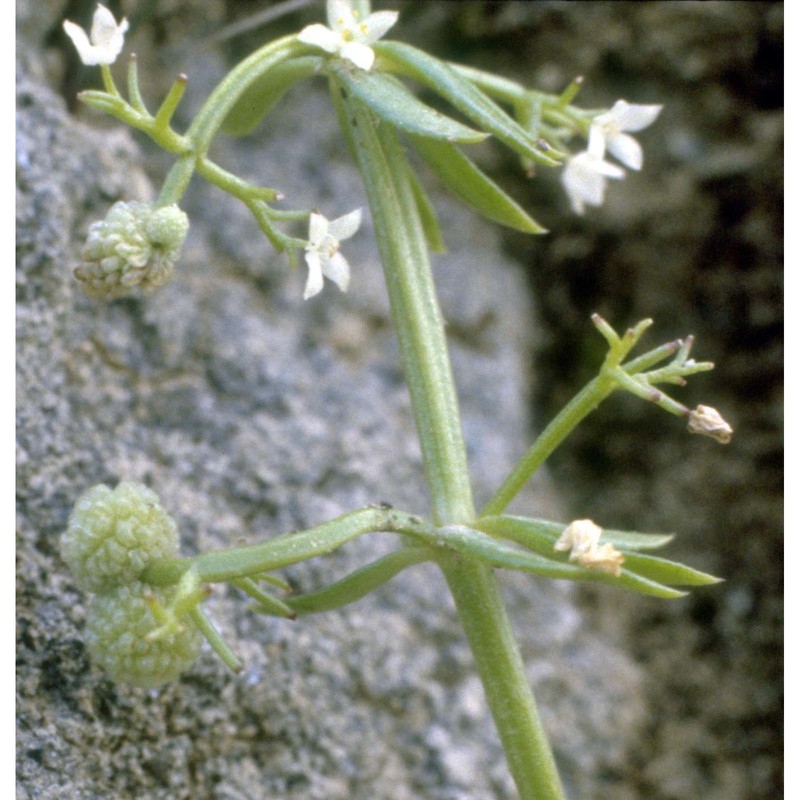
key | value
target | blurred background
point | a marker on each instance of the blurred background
(694, 241)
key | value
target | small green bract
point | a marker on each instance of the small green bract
(114, 534)
(119, 623)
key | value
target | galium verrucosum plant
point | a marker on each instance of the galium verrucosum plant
(147, 620)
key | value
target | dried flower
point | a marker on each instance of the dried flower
(604, 558)
(105, 40)
(136, 245)
(579, 536)
(582, 538)
(346, 36)
(708, 421)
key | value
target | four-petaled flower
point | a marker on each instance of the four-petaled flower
(347, 36)
(106, 37)
(584, 179)
(322, 251)
(607, 129)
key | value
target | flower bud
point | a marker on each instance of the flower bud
(119, 623)
(137, 244)
(113, 535)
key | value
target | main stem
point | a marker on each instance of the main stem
(415, 310)
(423, 347)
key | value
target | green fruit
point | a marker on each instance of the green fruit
(119, 623)
(136, 245)
(114, 534)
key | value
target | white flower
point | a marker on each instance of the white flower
(346, 36)
(106, 36)
(322, 251)
(584, 178)
(607, 131)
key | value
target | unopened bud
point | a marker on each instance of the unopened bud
(708, 422)
(136, 245)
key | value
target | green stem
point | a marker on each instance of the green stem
(290, 548)
(551, 437)
(235, 83)
(415, 309)
(177, 180)
(502, 672)
(416, 313)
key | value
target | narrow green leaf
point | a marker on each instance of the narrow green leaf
(266, 92)
(391, 101)
(267, 603)
(102, 101)
(539, 536)
(427, 215)
(624, 540)
(632, 540)
(670, 572)
(461, 175)
(498, 554)
(359, 583)
(214, 638)
(467, 98)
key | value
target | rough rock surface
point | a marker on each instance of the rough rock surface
(252, 413)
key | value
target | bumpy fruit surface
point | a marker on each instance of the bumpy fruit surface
(119, 622)
(136, 245)
(114, 534)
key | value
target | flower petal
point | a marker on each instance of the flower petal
(105, 31)
(318, 227)
(344, 227)
(376, 25)
(81, 41)
(340, 15)
(606, 169)
(314, 282)
(358, 54)
(632, 117)
(597, 140)
(320, 36)
(627, 150)
(337, 269)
